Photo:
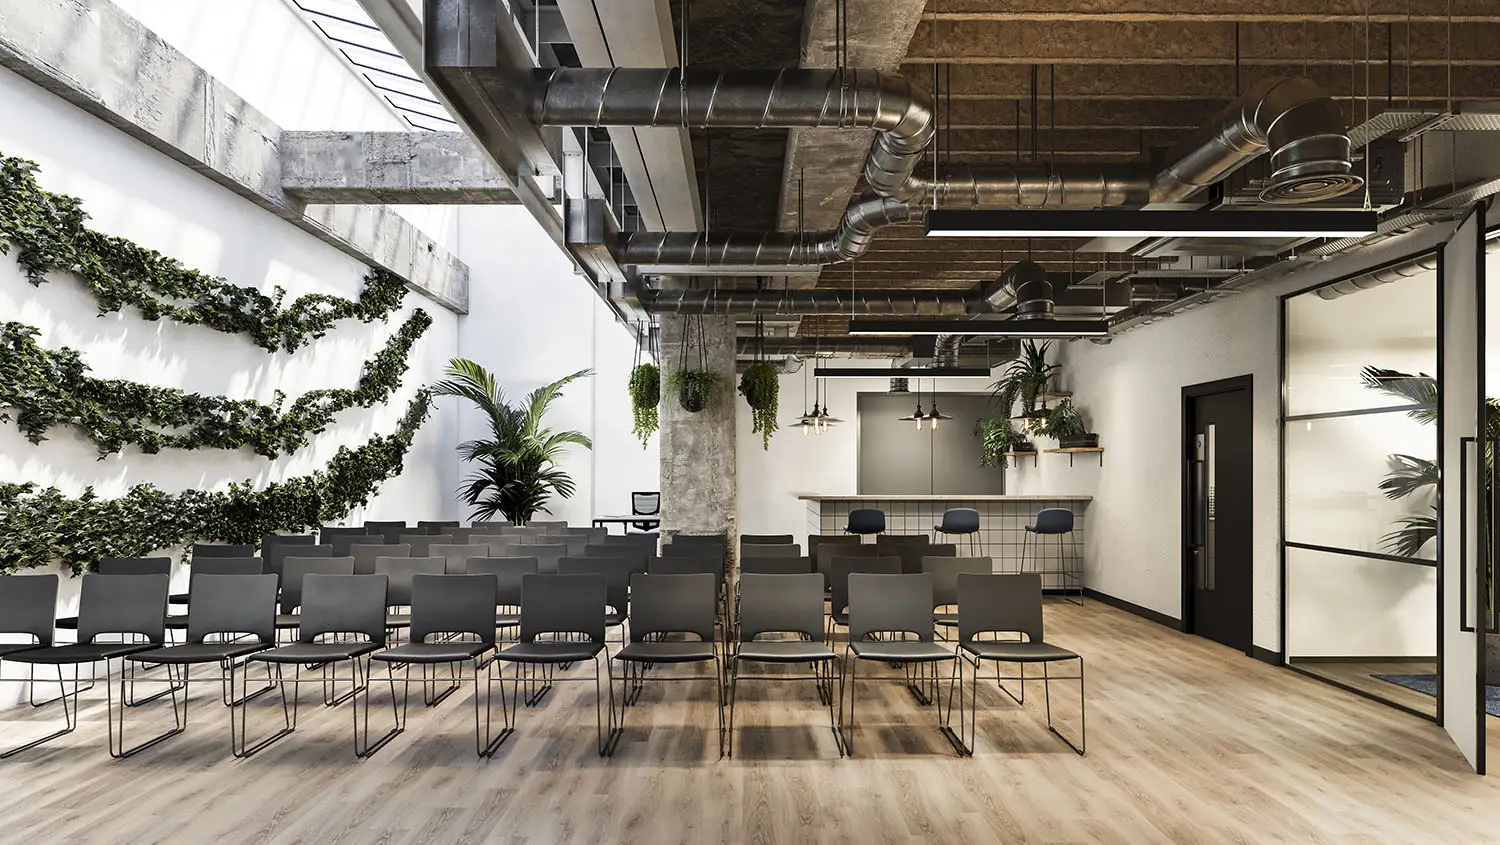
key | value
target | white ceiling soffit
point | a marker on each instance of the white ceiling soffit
(370, 54)
(657, 161)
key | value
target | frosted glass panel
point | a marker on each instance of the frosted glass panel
(1334, 468)
(1328, 342)
(1346, 606)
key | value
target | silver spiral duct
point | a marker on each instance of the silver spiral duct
(755, 99)
(1032, 186)
(814, 301)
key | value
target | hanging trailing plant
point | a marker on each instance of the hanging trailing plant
(42, 525)
(696, 389)
(48, 233)
(645, 396)
(761, 387)
(51, 388)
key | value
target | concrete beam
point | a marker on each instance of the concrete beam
(415, 168)
(96, 57)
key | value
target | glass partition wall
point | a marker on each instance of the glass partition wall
(1359, 466)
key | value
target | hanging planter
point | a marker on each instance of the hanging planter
(645, 391)
(761, 387)
(696, 389)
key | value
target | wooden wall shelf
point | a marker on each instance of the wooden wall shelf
(1031, 455)
(1080, 450)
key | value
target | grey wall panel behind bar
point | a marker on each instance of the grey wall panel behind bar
(895, 458)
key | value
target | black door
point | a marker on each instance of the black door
(1216, 514)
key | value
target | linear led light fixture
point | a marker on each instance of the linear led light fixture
(1131, 223)
(879, 327)
(901, 372)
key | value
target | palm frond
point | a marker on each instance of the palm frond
(1420, 389)
(1407, 541)
(1408, 475)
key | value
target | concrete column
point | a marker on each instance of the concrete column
(697, 450)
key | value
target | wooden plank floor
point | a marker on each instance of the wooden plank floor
(1188, 742)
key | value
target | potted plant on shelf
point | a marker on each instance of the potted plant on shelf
(1025, 380)
(999, 439)
(696, 389)
(518, 469)
(1065, 423)
(645, 396)
(761, 387)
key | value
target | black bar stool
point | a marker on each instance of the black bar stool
(865, 521)
(962, 521)
(1055, 522)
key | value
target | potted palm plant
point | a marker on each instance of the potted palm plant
(517, 472)
(1065, 423)
(1025, 380)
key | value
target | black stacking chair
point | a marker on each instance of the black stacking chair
(436, 527)
(889, 541)
(886, 605)
(575, 543)
(292, 577)
(214, 566)
(945, 572)
(685, 566)
(388, 530)
(136, 565)
(965, 523)
(421, 544)
(639, 560)
(326, 535)
(28, 604)
(547, 554)
(365, 555)
(565, 605)
(268, 541)
(912, 554)
(348, 605)
(765, 539)
(457, 553)
(398, 572)
(617, 573)
(343, 544)
(524, 533)
(453, 604)
(842, 568)
(750, 550)
(828, 551)
(665, 606)
(776, 566)
(646, 544)
(783, 604)
(553, 527)
(507, 572)
(222, 550)
(110, 606)
(499, 544)
(594, 535)
(276, 556)
(226, 607)
(1008, 604)
(865, 521)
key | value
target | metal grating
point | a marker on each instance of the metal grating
(371, 55)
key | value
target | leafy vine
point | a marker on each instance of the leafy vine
(52, 388)
(41, 525)
(48, 233)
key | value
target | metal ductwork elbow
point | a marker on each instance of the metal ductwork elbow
(1024, 284)
(1293, 119)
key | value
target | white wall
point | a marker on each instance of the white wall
(531, 321)
(134, 192)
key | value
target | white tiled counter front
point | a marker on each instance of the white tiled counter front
(1002, 523)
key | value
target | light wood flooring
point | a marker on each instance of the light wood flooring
(1188, 742)
(1360, 675)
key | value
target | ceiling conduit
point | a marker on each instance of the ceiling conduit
(1292, 119)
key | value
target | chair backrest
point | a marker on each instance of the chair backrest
(134, 566)
(296, 569)
(453, 604)
(828, 551)
(890, 540)
(225, 566)
(489, 523)
(123, 604)
(817, 541)
(275, 557)
(1053, 521)
(643, 503)
(616, 572)
(640, 560)
(524, 533)
(1000, 604)
(365, 555)
(749, 550)
(435, 526)
(499, 544)
(326, 535)
(421, 544)
(550, 526)
(457, 553)
(232, 604)
(343, 545)
(269, 540)
(389, 534)
(912, 554)
(865, 521)
(685, 565)
(343, 604)
(790, 604)
(507, 572)
(644, 543)
(776, 566)
(842, 567)
(718, 541)
(547, 554)
(576, 543)
(400, 570)
(890, 603)
(959, 521)
(562, 604)
(28, 605)
(379, 527)
(945, 572)
(764, 539)
(223, 550)
(673, 604)
(594, 535)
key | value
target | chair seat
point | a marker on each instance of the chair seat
(947, 620)
(784, 652)
(673, 652)
(314, 652)
(398, 620)
(550, 652)
(1018, 652)
(507, 620)
(901, 651)
(78, 652)
(941, 530)
(197, 652)
(841, 618)
(613, 619)
(12, 648)
(443, 652)
(288, 620)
